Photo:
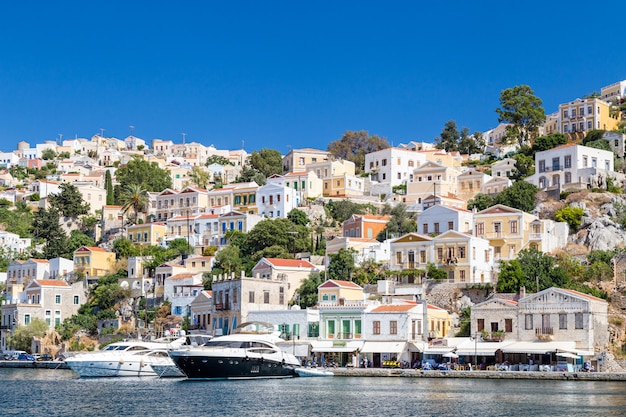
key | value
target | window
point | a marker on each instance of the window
(480, 325)
(436, 228)
(528, 322)
(384, 162)
(578, 321)
(542, 166)
(568, 177)
(376, 327)
(508, 325)
(331, 328)
(514, 226)
(399, 258)
(585, 162)
(450, 225)
(462, 252)
(563, 321)
(393, 327)
(76, 300)
(234, 296)
(57, 299)
(425, 229)
(266, 297)
(480, 229)
(589, 110)
(462, 275)
(251, 297)
(281, 295)
(594, 162)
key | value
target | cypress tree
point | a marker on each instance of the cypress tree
(108, 185)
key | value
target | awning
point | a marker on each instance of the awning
(538, 347)
(567, 355)
(334, 346)
(416, 347)
(471, 348)
(300, 349)
(383, 347)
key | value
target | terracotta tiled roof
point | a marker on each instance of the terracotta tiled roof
(52, 283)
(182, 276)
(338, 283)
(580, 294)
(290, 263)
(393, 308)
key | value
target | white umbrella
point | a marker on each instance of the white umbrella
(567, 355)
(450, 355)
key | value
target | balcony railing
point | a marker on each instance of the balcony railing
(222, 307)
(552, 168)
(544, 331)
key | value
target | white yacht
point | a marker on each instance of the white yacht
(243, 355)
(133, 358)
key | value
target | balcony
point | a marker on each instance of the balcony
(544, 333)
(553, 168)
(222, 307)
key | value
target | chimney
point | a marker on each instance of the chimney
(522, 292)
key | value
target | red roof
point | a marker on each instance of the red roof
(591, 297)
(393, 308)
(290, 263)
(52, 283)
(338, 283)
(182, 276)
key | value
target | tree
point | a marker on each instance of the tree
(135, 197)
(199, 177)
(594, 135)
(521, 195)
(341, 265)
(217, 159)
(400, 223)
(480, 202)
(570, 215)
(524, 166)
(46, 224)
(353, 146)
(267, 161)
(343, 209)
(228, 260)
(22, 338)
(69, 202)
(76, 240)
(124, 248)
(471, 144)
(48, 154)
(531, 269)
(298, 217)
(307, 292)
(543, 143)
(146, 174)
(108, 186)
(180, 246)
(523, 111)
(449, 138)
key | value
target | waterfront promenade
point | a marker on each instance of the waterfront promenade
(524, 375)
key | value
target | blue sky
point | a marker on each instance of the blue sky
(289, 74)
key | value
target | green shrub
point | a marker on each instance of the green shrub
(570, 215)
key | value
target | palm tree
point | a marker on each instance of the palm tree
(135, 197)
(199, 177)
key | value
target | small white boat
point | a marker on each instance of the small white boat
(308, 372)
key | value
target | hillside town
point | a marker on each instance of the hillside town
(500, 248)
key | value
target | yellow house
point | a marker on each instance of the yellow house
(244, 197)
(431, 178)
(582, 115)
(448, 159)
(410, 253)
(298, 159)
(93, 261)
(471, 183)
(339, 292)
(439, 322)
(507, 229)
(338, 178)
(147, 233)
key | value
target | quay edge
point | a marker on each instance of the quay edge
(523, 375)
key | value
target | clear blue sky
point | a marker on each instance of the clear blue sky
(290, 74)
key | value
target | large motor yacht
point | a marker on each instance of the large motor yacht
(250, 352)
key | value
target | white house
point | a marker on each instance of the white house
(274, 200)
(13, 242)
(181, 289)
(572, 166)
(391, 167)
(503, 168)
(439, 219)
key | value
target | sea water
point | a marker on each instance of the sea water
(44, 392)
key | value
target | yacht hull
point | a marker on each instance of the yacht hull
(231, 367)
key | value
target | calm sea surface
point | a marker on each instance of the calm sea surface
(43, 392)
